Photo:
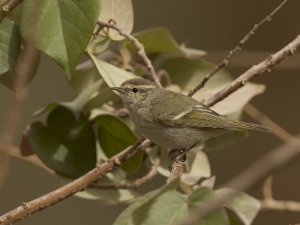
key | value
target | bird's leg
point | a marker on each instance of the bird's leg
(176, 155)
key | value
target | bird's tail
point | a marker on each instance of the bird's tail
(239, 125)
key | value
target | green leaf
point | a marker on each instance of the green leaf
(199, 198)
(112, 75)
(189, 72)
(66, 144)
(64, 28)
(119, 12)
(158, 40)
(243, 205)
(9, 45)
(127, 217)
(168, 207)
(114, 136)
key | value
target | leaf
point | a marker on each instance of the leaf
(10, 45)
(200, 168)
(127, 216)
(189, 72)
(168, 207)
(114, 136)
(121, 13)
(243, 205)
(158, 40)
(112, 75)
(64, 28)
(66, 144)
(234, 102)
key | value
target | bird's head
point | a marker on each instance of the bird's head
(135, 90)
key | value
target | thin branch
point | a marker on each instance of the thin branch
(254, 71)
(268, 202)
(262, 67)
(23, 69)
(267, 188)
(264, 166)
(134, 185)
(279, 205)
(7, 8)
(239, 46)
(140, 47)
(256, 114)
(16, 153)
(28, 208)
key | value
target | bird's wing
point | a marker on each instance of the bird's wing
(167, 110)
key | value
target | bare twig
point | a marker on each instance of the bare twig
(256, 114)
(268, 202)
(262, 67)
(16, 153)
(28, 208)
(134, 185)
(177, 170)
(267, 188)
(239, 46)
(254, 71)
(265, 165)
(24, 67)
(278, 205)
(139, 46)
(7, 8)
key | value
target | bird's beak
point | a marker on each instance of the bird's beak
(118, 89)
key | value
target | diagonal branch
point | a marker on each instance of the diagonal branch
(28, 208)
(134, 185)
(265, 165)
(140, 47)
(7, 8)
(262, 67)
(238, 48)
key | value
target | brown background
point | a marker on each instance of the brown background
(212, 25)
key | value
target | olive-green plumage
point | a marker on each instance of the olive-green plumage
(173, 120)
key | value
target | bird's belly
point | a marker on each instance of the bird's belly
(171, 137)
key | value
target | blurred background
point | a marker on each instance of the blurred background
(215, 26)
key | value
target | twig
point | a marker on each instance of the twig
(140, 47)
(254, 71)
(266, 165)
(268, 202)
(267, 188)
(7, 8)
(256, 114)
(262, 67)
(278, 205)
(23, 69)
(134, 185)
(239, 46)
(28, 208)
(15, 152)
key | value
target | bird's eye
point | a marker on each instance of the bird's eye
(135, 90)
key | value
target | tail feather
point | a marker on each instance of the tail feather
(239, 125)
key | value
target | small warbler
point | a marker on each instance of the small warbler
(173, 120)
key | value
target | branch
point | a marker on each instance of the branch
(22, 71)
(278, 205)
(28, 208)
(7, 8)
(134, 185)
(262, 67)
(238, 48)
(254, 71)
(140, 47)
(264, 166)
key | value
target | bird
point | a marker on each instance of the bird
(173, 120)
